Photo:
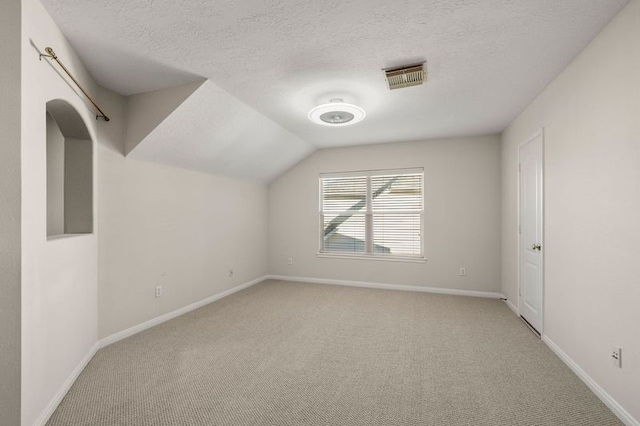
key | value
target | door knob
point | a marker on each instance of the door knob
(536, 247)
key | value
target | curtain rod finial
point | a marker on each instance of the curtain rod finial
(50, 52)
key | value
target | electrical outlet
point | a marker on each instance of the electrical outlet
(231, 272)
(616, 357)
(291, 261)
(463, 272)
(159, 291)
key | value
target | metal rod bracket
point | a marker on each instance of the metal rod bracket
(52, 55)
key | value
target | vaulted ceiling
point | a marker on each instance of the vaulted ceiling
(269, 62)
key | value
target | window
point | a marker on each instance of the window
(372, 214)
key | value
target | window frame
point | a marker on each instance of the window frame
(369, 214)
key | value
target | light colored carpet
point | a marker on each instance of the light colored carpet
(282, 353)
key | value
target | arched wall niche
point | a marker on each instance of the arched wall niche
(69, 171)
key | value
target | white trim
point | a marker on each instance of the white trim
(388, 258)
(57, 237)
(55, 401)
(512, 307)
(170, 315)
(44, 417)
(373, 172)
(607, 399)
(369, 213)
(385, 286)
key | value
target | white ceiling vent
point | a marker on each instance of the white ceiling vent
(406, 76)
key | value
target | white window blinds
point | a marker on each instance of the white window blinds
(376, 213)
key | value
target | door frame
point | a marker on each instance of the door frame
(539, 133)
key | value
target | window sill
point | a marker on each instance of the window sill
(66, 236)
(370, 257)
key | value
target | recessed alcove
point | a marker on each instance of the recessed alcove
(69, 172)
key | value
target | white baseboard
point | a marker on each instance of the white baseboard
(512, 307)
(55, 401)
(385, 286)
(170, 315)
(613, 405)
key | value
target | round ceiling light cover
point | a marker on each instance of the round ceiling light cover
(336, 113)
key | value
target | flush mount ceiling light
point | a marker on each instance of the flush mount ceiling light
(336, 113)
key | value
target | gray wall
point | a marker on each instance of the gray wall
(145, 111)
(462, 214)
(69, 172)
(78, 187)
(55, 178)
(60, 275)
(10, 223)
(591, 119)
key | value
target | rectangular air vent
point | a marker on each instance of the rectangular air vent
(407, 76)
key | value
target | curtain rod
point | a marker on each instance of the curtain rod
(51, 54)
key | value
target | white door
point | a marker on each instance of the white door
(531, 232)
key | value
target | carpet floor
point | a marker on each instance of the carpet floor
(282, 353)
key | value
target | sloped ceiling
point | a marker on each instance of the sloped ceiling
(278, 59)
(213, 132)
(145, 111)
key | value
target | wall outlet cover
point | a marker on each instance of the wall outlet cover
(616, 357)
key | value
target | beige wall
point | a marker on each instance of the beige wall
(10, 255)
(78, 186)
(591, 119)
(176, 228)
(157, 226)
(462, 219)
(59, 277)
(184, 230)
(55, 178)
(69, 182)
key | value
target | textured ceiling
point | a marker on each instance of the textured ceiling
(224, 137)
(487, 59)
